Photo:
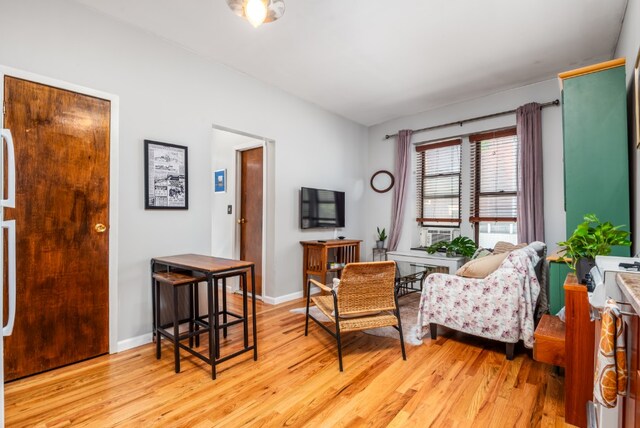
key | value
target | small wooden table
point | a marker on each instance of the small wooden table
(214, 269)
(318, 254)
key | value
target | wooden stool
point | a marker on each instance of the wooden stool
(238, 318)
(549, 343)
(177, 280)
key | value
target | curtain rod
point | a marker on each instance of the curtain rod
(474, 119)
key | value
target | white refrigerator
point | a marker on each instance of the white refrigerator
(10, 225)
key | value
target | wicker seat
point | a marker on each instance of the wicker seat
(365, 299)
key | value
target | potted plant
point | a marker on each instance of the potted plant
(461, 246)
(381, 237)
(590, 239)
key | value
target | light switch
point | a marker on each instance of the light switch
(229, 209)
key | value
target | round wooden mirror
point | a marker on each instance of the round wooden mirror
(382, 181)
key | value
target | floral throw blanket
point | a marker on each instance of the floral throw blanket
(499, 307)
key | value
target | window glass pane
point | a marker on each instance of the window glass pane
(498, 206)
(443, 160)
(490, 233)
(494, 177)
(439, 186)
(442, 185)
(498, 165)
(441, 208)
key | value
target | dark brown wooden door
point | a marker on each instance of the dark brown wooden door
(251, 211)
(62, 201)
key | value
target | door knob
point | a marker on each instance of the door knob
(100, 228)
(241, 221)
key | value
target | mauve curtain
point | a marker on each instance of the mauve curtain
(403, 156)
(530, 192)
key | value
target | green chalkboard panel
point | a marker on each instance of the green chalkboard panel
(596, 149)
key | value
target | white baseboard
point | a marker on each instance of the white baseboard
(134, 342)
(287, 297)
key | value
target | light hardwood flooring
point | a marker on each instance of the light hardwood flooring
(456, 380)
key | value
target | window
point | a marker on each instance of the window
(438, 179)
(494, 186)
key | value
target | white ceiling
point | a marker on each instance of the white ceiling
(375, 60)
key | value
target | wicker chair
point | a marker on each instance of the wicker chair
(365, 299)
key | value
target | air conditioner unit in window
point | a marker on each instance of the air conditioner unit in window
(431, 235)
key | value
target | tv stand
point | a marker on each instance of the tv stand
(319, 254)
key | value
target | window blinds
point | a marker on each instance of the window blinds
(494, 176)
(438, 183)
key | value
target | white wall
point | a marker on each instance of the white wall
(168, 94)
(629, 41)
(628, 46)
(381, 156)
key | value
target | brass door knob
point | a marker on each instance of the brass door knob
(100, 228)
(241, 221)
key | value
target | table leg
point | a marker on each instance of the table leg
(212, 326)
(191, 315)
(176, 330)
(153, 300)
(196, 303)
(156, 321)
(245, 314)
(216, 315)
(224, 306)
(253, 304)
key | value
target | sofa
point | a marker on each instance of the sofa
(499, 307)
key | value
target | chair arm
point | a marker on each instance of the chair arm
(320, 285)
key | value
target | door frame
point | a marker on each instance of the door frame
(268, 202)
(114, 133)
(237, 245)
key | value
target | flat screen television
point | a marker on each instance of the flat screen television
(321, 208)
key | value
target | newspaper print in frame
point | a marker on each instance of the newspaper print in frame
(165, 176)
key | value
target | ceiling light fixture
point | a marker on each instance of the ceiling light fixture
(257, 12)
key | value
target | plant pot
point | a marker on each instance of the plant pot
(379, 244)
(583, 266)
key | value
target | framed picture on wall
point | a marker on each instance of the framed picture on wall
(220, 181)
(636, 94)
(165, 176)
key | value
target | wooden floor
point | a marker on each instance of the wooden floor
(456, 380)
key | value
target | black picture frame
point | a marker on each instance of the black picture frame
(636, 99)
(166, 176)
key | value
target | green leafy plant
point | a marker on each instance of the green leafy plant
(592, 238)
(461, 246)
(382, 234)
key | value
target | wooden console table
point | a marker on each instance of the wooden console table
(318, 255)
